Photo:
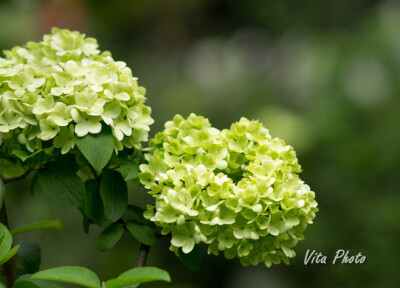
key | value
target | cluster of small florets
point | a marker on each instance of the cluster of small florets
(62, 88)
(236, 190)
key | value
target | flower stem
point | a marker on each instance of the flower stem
(21, 177)
(142, 257)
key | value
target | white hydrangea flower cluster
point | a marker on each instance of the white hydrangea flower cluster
(62, 88)
(236, 190)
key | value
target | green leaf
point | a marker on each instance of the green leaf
(34, 283)
(110, 236)
(86, 224)
(70, 274)
(191, 260)
(138, 212)
(62, 185)
(23, 155)
(138, 275)
(97, 148)
(55, 224)
(9, 255)
(143, 233)
(92, 205)
(130, 169)
(69, 161)
(5, 240)
(28, 257)
(114, 193)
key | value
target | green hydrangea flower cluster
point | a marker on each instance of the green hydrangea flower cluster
(64, 87)
(236, 190)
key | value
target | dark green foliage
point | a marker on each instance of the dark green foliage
(114, 193)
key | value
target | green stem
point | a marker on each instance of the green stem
(21, 177)
(10, 267)
(142, 257)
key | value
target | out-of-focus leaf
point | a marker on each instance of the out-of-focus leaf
(28, 257)
(34, 283)
(70, 274)
(86, 224)
(55, 224)
(138, 275)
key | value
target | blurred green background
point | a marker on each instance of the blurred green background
(325, 76)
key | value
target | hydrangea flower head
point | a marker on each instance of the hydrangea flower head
(237, 190)
(63, 87)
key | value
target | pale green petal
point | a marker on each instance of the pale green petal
(92, 126)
